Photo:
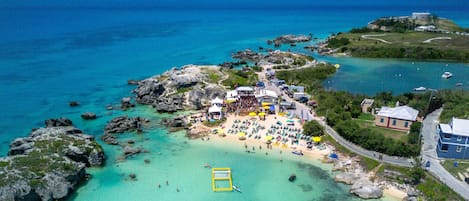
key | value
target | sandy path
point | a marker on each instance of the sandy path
(437, 38)
(378, 39)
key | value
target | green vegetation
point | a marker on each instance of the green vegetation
(313, 128)
(455, 104)
(408, 44)
(389, 133)
(240, 77)
(214, 123)
(183, 90)
(366, 117)
(281, 67)
(463, 167)
(434, 190)
(311, 77)
(369, 163)
(257, 68)
(414, 133)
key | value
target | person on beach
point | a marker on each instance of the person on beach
(167, 183)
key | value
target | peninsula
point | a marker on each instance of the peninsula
(419, 36)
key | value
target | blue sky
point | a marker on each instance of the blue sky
(226, 4)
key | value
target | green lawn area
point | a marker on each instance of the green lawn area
(366, 116)
(463, 167)
(434, 190)
(395, 134)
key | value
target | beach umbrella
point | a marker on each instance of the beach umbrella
(261, 114)
(269, 137)
(252, 114)
(220, 131)
(290, 120)
(266, 107)
(241, 134)
(269, 142)
(266, 103)
(316, 139)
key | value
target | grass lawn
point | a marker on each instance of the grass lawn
(462, 167)
(395, 134)
(366, 116)
(434, 190)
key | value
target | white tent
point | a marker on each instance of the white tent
(214, 109)
(217, 101)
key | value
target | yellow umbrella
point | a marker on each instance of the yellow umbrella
(266, 107)
(220, 131)
(252, 114)
(269, 137)
(241, 134)
(316, 139)
(266, 103)
(337, 65)
(261, 114)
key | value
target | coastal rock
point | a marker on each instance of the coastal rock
(346, 177)
(58, 122)
(247, 55)
(49, 163)
(73, 103)
(133, 82)
(88, 115)
(366, 190)
(130, 151)
(126, 103)
(148, 91)
(122, 124)
(290, 39)
(199, 95)
(197, 132)
(176, 122)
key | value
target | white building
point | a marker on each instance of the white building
(217, 102)
(215, 112)
(420, 16)
(266, 96)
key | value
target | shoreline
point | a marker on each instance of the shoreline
(316, 156)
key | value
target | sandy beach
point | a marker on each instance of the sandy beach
(259, 146)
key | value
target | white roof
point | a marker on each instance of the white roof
(267, 93)
(217, 100)
(446, 128)
(402, 112)
(214, 109)
(244, 89)
(460, 126)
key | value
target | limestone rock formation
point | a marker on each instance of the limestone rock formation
(88, 115)
(49, 163)
(365, 189)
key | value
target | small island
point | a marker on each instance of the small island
(419, 36)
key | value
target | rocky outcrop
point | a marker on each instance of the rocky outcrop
(126, 103)
(247, 55)
(178, 89)
(133, 82)
(346, 177)
(366, 190)
(176, 122)
(73, 103)
(197, 132)
(58, 122)
(49, 163)
(290, 39)
(88, 115)
(130, 151)
(122, 124)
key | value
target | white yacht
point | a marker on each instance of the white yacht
(447, 75)
(420, 89)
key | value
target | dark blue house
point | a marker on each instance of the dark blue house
(453, 141)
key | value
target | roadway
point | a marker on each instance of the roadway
(430, 139)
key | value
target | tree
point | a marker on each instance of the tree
(313, 128)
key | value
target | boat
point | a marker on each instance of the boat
(459, 84)
(447, 75)
(420, 89)
(236, 188)
(299, 153)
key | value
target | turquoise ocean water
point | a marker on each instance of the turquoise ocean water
(50, 56)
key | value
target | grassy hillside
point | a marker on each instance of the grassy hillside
(410, 44)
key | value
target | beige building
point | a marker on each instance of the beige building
(399, 118)
(366, 104)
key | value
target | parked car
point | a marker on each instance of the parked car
(303, 100)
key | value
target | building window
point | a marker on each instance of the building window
(447, 135)
(459, 138)
(444, 147)
(406, 124)
(458, 149)
(393, 122)
(381, 120)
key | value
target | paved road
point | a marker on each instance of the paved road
(430, 139)
(302, 108)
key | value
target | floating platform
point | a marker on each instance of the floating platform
(222, 175)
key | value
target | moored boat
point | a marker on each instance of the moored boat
(447, 75)
(420, 89)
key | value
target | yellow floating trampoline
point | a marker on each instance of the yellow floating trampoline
(222, 175)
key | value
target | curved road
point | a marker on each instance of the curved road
(378, 39)
(430, 139)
